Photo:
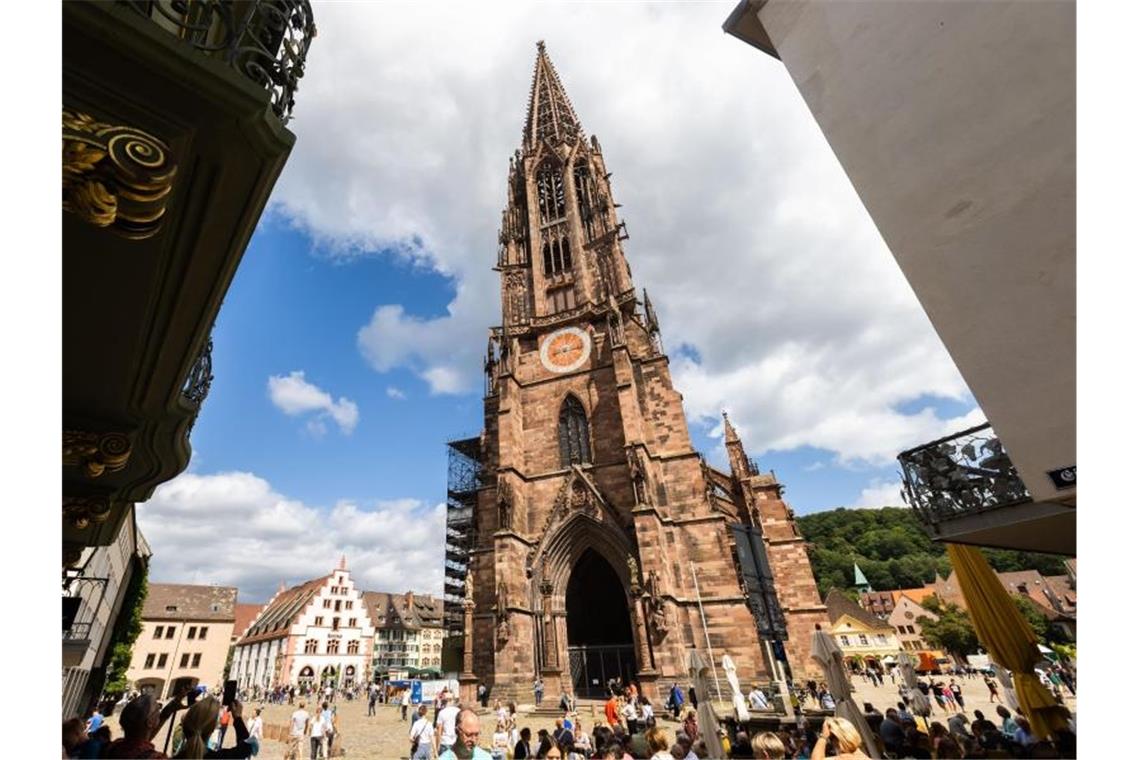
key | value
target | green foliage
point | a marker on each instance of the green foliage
(1033, 615)
(892, 549)
(128, 626)
(952, 632)
(931, 603)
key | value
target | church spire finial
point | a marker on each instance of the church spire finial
(549, 114)
(730, 435)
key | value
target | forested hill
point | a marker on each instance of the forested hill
(892, 550)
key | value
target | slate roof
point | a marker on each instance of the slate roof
(839, 605)
(277, 616)
(389, 610)
(180, 601)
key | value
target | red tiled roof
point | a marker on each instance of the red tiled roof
(180, 601)
(278, 615)
(244, 614)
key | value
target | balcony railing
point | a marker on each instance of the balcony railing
(265, 40)
(197, 385)
(961, 474)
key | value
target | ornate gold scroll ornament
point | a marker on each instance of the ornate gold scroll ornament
(115, 176)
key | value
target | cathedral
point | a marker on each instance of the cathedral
(599, 544)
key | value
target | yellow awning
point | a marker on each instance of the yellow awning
(1006, 636)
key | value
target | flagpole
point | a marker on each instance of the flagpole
(705, 627)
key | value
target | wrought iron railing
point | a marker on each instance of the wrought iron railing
(197, 385)
(78, 631)
(265, 40)
(961, 474)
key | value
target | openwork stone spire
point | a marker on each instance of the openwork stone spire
(549, 116)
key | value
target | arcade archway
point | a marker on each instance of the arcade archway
(599, 636)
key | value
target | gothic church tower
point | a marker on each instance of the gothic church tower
(603, 545)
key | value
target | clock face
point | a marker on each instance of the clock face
(565, 350)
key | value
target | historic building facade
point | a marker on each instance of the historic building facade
(602, 545)
(185, 636)
(865, 640)
(317, 633)
(409, 631)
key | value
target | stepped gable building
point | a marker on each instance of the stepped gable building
(313, 634)
(595, 532)
(409, 631)
(185, 636)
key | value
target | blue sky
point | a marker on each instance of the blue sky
(294, 306)
(349, 347)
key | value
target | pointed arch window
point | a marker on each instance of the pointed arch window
(556, 257)
(551, 194)
(586, 191)
(573, 433)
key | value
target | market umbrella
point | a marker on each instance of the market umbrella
(830, 658)
(1006, 682)
(919, 702)
(739, 704)
(699, 674)
(1006, 636)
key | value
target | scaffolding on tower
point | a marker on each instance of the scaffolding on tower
(464, 477)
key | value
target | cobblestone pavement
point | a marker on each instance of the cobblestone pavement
(385, 735)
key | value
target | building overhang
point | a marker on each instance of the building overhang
(744, 24)
(1049, 527)
(140, 294)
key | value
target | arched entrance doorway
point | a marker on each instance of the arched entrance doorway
(598, 632)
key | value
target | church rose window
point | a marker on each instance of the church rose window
(573, 433)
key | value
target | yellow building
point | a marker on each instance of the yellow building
(865, 640)
(186, 636)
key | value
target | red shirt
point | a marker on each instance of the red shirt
(611, 711)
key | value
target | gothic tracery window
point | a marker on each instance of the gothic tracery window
(556, 257)
(551, 194)
(586, 191)
(573, 433)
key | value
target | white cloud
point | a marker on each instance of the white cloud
(396, 393)
(233, 528)
(757, 251)
(295, 396)
(881, 493)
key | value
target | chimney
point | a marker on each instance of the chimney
(408, 601)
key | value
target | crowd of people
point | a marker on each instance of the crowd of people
(195, 724)
(200, 733)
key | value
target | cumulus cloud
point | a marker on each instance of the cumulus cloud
(396, 393)
(881, 493)
(757, 251)
(296, 396)
(235, 529)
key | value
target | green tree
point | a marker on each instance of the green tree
(1033, 615)
(128, 626)
(893, 550)
(951, 632)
